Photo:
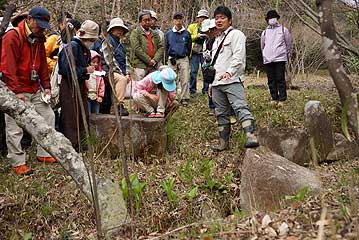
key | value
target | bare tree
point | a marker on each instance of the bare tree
(336, 69)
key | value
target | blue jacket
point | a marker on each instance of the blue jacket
(178, 44)
(119, 52)
(82, 58)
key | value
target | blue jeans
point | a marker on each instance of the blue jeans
(194, 63)
(94, 106)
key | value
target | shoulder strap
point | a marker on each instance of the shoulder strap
(20, 37)
(219, 48)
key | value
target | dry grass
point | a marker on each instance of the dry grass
(48, 205)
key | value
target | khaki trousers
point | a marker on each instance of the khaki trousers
(14, 133)
(120, 82)
(148, 105)
(182, 70)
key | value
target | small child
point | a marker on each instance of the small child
(156, 92)
(95, 85)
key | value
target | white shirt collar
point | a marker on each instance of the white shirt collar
(175, 30)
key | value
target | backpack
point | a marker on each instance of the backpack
(17, 30)
(55, 81)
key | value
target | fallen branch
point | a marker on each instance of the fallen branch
(174, 231)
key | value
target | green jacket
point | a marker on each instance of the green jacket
(139, 57)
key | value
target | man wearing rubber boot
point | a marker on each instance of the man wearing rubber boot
(227, 89)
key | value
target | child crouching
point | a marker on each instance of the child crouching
(156, 92)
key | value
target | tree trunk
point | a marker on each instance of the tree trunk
(333, 58)
(112, 206)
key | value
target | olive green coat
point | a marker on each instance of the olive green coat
(139, 57)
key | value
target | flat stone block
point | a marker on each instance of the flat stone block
(144, 137)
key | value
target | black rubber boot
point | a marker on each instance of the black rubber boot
(224, 132)
(122, 111)
(249, 128)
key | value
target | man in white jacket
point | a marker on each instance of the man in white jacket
(227, 89)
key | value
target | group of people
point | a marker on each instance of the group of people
(80, 61)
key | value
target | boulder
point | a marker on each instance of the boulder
(266, 178)
(144, 137)
(343, 149)
(289, 143)
(319, 128)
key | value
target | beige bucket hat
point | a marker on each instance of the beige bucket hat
(88, 30)
(116, 22)
(202, 13)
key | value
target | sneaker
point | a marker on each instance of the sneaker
(152, 115)
(160, 115)
(122, 111)
(211, 112)
(184, 103)
(252, 141)
(232, 120)
(46, 159)
(23, 170)
(273, 103)
(280, 104)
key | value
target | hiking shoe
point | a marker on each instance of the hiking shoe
(122, 111)
(221, 146)
(252, 141)
(152, 115)
(280, 104)
(23, 170)
(46, 159)
(184, 103)
(273, 103)
(232, 120)
(160, 115)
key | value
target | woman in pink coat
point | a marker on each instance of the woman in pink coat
(156, 92)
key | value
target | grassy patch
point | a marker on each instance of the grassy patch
(198, 185)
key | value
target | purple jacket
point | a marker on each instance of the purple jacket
(276, 43)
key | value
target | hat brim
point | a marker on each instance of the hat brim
(169, 87)
(156, 79)
(87, 36)
(201, 15)
(42, 24)
(117, 25)
(274, 16)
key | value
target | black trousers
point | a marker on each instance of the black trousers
(276, 80)
(105, 107)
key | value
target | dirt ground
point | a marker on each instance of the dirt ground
(47, 205)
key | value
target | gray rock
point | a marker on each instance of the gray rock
(144, 137)
(113, 208)
(319, 128)
(289, 143)
(343, 149)
(267, 178)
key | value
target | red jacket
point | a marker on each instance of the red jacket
(17, 61)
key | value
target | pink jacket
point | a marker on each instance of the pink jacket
(100, 84)
(146, 85)
(276, 43)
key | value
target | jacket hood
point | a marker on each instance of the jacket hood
(95, 54)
